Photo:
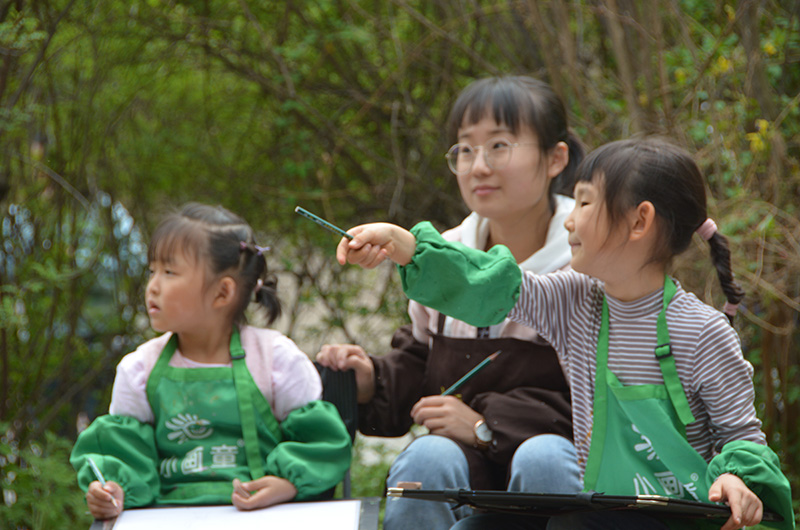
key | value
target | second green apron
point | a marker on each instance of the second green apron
(639, 444)
(211, 425)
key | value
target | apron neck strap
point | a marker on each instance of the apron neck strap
(159, 368)
(247, 411)
(663, 353)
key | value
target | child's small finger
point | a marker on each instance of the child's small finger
(374, 257)
(752, 514)
(238, 486)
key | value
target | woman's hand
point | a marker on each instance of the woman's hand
(351, 357)
(446, 416)
(373, 243)
(262, 492)
(746, 507)
(105, 502)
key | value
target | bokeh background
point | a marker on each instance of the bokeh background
(114, 111)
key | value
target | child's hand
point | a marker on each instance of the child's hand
(373, 243)
(106, 501)
(746, 507)
(262, 492)
(351, 357)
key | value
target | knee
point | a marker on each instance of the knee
(545, 464)
(432, 450)
(545, 452)
(431, 457)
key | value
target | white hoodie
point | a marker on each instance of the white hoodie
(474, 232)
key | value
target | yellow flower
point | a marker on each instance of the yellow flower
(770, 49)
(756, 142)
(724, 65)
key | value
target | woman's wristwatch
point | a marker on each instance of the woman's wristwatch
(483, 435)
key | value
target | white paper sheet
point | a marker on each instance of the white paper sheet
(332, 515)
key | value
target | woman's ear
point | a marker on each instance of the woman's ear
(557, 159)
(225, 294)
(642, 221)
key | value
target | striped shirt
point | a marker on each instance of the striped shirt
(565, 308)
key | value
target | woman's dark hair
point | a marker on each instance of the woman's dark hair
(652, 169)
(518, 101)
(226, 243)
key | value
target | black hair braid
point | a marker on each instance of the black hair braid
(721, 258)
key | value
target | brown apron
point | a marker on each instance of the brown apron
(522, 393)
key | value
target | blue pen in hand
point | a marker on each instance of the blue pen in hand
(322, 222)
(100, 478)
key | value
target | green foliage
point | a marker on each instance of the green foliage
(38, 484)
(112, 111)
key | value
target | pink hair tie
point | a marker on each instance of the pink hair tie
(258, 251)
(730, 309)
(707, 229)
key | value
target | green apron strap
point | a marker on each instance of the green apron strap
(663, 353)
(158, 372)
(600, 405)
(246, 408)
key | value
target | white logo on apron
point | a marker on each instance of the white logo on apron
(169, 466)
(646, 445)
(224, 456)
(193, 461)
(188, 426)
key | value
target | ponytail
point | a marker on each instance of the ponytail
(255, 277)
(267, 296)
(564, 183)
(721, 258)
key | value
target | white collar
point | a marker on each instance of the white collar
(554, 255)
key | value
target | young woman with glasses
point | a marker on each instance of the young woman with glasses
(509, 427)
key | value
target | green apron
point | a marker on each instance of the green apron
(211, 425)
(639, 444)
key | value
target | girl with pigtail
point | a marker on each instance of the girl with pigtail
(213, 411)
(662, 397)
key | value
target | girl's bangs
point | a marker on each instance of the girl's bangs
(176, 234)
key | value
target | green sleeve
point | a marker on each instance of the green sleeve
(316, 450)
(479, 288)
(125, 451)
(758, 466)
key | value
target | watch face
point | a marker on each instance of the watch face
(483, 433)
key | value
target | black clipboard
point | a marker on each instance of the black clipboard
(548, 505)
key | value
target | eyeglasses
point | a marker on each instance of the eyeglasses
(496, 152)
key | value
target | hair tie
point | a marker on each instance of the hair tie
(730, 309)
(258, 250)
(707, 229)
(259, 285)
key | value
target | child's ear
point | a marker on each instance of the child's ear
(642, 221)
(225, 293)
(557, 159)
